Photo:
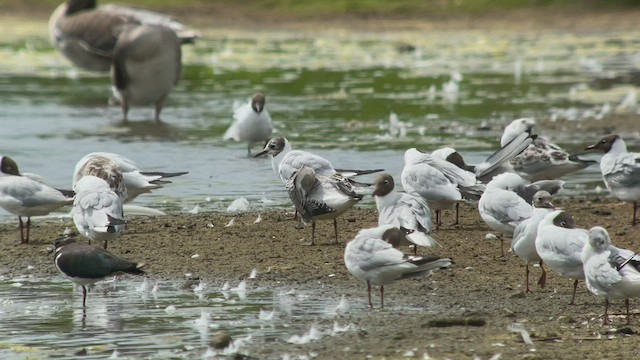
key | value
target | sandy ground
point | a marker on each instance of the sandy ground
(454, 314)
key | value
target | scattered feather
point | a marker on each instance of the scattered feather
(231, 222)
(238, 205)
(305, 338)
(258, 219)
(518, 328)
(253, 274)
(195, 210)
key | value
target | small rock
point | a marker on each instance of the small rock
(220, 340)
(517, 295)
(600, 212)
(626, 331)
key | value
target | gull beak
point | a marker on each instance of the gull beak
(592, 147)
(263, 152)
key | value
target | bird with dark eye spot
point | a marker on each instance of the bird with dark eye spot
(257, 102)
(384, 184)
(9, 166)
(605, 144)
(565, 220)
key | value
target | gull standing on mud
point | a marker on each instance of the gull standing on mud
(285, 161)
(372, 258)
(251, 122)
(610, 272)
(319, 197)
(502, 209)
(559, 245)
(525, 233)
(27, 196)
(409, 212)
(97, 210)
(134, 180)
(541, 160)
(87, 264)
(86, 33)
(440, 182)
(620, 170)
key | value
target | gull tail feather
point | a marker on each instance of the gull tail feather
(422, 239)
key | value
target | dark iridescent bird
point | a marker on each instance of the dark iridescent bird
(86, 264)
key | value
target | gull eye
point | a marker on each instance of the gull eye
(563, 224)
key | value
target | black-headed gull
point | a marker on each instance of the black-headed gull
(501, 208)
(27, 195)
(147, 64)
(285, 161)
(371, 257)
(134, 181)
(439, 181)
(559, 244)
(620, 170)
(97, 210)
(541, 160)
(525, 233)
(86, 34)
(409, 212)
(87, 264)
(251, 122)
(610, 272)
(319, 197)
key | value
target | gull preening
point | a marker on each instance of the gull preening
(97, 210)
(27, 196)
(409, 212)
(319, 197)
(440, 182)
(86, 264)
(620, 170)
(559, 244)
(525, 233)
(610, 272)
(251, 122)
(371, 257)
(86, 33)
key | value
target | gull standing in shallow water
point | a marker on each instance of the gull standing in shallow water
(501, 208)
(251, 123)
(525, 233)
(610, 272)
(372, 258)
(87, 264)
(134, 181)
(319, 197)
(440, 182)
(408, 212)
(620, 170)
(27, 195)
(559, 245)
(97, 210)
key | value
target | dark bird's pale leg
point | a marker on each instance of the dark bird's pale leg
(543, 277)
(573, 298)
(381, 296)
(335, 228)
(369, 293)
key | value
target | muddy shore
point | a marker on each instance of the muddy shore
(454, 314)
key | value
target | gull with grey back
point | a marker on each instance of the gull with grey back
(251, 122)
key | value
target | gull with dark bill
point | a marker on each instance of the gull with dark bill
(87, 264)
(372, 258)
(620, 170)
(408, 212)
(97, 210)
(251, 123)
(27, 195)
(86, 33)
(610, 272)
(319, 197)
(559, 244)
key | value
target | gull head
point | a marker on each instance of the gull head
(8, 166)
(542, 199)
(599, 238)
(413, 155)
(564, 219)
(395, 237)
(274, 147)
(607, 143)
(383, 185)
(257, 102)
(507, 181)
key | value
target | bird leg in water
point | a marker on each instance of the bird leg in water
(28, 229)
(84, 296)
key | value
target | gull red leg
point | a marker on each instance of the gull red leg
(457, 214)
(543, 277)
(21, 226)
(382, 296)
(605, 321)
(335, 228)
(369, 293)
(84, 296)
(526, 278)
(573, 298)
(635, 213)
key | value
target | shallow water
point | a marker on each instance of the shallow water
(331, 93)
(134, 318)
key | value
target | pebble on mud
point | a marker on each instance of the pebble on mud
(220, 340)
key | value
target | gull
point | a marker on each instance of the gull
(86, 33)
(97, 210)
(87, 264)
(620, 170)
(28, 196)
(524, 235)
(371, 257)
(409, 212)
(559, 244)
(252, 122)
(147, 63)
(318, 197)
(502, 209)
(515, 183)
(134, 180)
(610, 272)
(440, 182)
(285, 161)
(542, 159)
